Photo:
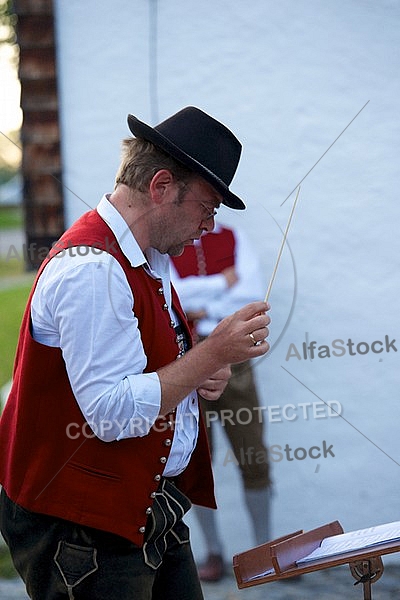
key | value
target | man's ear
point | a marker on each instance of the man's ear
(161, 185)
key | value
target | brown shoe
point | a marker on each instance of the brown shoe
(213, 569)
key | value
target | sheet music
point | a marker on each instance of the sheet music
(259, 575)
(354, 540)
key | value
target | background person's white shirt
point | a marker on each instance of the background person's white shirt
(211, 293)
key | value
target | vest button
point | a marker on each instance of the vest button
(160, 290)
(165, 306)
(153, 495)
(149, 510)
(142, 529)
(170, 424)
(163, 460)
(171, 324)
(167, 442)
(157, 477)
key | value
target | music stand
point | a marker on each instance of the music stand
(282, 558)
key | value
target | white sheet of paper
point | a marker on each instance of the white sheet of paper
(354, 540)
(259, 575)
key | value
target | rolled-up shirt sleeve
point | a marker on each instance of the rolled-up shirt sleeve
(84, 305)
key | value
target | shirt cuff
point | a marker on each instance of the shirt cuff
(146, 390)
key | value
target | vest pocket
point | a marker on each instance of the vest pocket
(94, 472)
(75, 563)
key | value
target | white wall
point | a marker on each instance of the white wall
(287, 77)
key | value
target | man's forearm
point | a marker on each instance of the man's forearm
(186, 374)
(229, 343)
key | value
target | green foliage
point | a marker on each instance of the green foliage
(11, 217)
(7, 570)
(8, 20)
(12, 304)
(11, 269)
(10, 146)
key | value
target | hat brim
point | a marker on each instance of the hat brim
(141, 130)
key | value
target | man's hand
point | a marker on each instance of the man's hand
(213, 387)
(196, 315)
(240, 336)
(230, 275)
(237, 338)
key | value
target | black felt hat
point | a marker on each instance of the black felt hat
(199, 142)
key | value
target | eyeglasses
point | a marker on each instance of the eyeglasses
(210, 213)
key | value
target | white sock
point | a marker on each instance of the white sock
(208, 524)
(258, 503)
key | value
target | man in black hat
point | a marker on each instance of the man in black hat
(102, 445)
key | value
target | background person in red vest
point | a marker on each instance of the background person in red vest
(214, 277)
(102, 446)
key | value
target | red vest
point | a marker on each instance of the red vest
(214, 253)
(49, 461)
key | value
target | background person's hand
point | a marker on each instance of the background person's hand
(231, 276)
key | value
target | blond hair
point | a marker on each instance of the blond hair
(140, 162)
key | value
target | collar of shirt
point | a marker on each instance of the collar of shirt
(157, 264)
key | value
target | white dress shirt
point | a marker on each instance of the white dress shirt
(83, 304)
(211, 293)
